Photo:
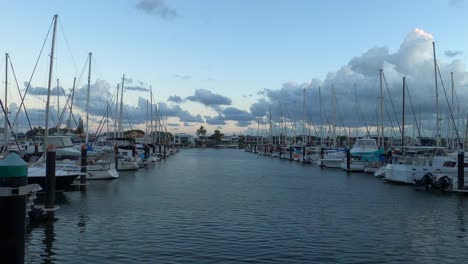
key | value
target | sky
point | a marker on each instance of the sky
(223, 64)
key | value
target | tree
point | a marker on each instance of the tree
(201, 131)
(217, 136)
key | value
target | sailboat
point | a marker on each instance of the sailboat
(37, 171)
(127, 157)
(415, 162)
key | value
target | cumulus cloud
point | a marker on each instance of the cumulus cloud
(453, 53)
(175, 99)
(242, 117)
(243, 123)
(208, 98)
(234, 114)
(413, 60)
(176, 111)
(215, 120)
(43, 90)
(157, 8)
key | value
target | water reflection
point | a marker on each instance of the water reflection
(207, 206)
(48, 241)
(461, 216)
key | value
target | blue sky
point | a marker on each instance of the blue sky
(231, 48)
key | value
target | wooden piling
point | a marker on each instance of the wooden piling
(348, 160)
(461, 172)
(13, 177)
(50, 182)
(84, 163)
(116, 157)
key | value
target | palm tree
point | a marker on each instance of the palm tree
(201, 131)
(217, 136)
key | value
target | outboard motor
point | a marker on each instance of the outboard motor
(427, 180)
(444, 183)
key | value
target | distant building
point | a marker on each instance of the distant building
(184, 140)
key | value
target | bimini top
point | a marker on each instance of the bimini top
(364, 145)
(60, 141)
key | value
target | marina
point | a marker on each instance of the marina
(160, 131)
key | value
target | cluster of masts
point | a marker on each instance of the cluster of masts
(288, 131)
(115, 107)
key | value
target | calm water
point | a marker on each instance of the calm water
(228, 206)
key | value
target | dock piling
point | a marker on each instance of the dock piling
(84, 162)
(50, 182)
(461, 174)
(116, 157)
(13, 179)
(348, 160)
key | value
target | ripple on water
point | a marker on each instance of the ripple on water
(228, 206)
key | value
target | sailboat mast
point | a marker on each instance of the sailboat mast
(271, 129)
(453, 125)
(121, 107)
(87, 97)
(71, 104)
(334, 116)
(381, 136)
(258, 128)
(116, 109)
(321, 121)
(437, 97)
(304, 117)
(5, 128)
(356, 110)
(403, 115)
(49, 84)
(151, 116)
(58, 106)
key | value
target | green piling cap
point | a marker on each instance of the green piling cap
(13, 166)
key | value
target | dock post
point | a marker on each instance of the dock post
(84, 162)
(134, 150)
(461, 165)
(255, 148)
(280, 153)
(348, 160)
(290, 153)
(36, 149)
(164, 152)
(146, 151)
(50, 182)
(160, 149)
(154, 148)
(116, 157)
(13, 176)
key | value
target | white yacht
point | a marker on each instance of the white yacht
(414, 163)
(332, 158)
